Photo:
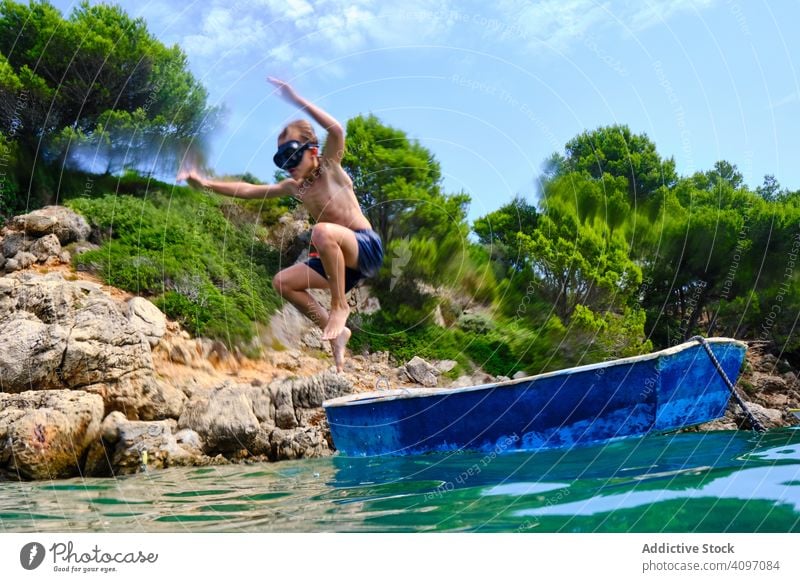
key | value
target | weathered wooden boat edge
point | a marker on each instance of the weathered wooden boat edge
(578, 406)
(401, 393)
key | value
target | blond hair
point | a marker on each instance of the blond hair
(302, 127)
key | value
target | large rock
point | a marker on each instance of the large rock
(59, 220)
(477, 379)
(445, 366)
(103, 346)
(282, 420)
(287, 328)
(768, 417)
(291, 236)
(224, 417)
(39, 236)
(462, 382)
(46, 247)
(140, 396)
(22, 260)
(769, 383)
(300, 443)
(727, 422)
(281, 394)
(363, 301)
(132, 445)
(62, 334)
(44, 434)
(31, 353)
(147, 319)
(421, 372)
(310, 392)
(14, 242)
(11, 265)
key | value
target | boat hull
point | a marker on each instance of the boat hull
(666, 390)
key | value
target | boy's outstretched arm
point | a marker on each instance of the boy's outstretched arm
(334, 146)
(238, 189)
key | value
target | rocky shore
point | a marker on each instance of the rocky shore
(97, 382)
(771, 390)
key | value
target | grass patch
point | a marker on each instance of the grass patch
(175, 246)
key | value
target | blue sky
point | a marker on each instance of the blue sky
(494, 88)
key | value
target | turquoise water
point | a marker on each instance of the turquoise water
(710, 482)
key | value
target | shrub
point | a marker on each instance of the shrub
(182, 253)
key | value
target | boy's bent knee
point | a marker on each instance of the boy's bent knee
(321, 235)
(279, 284)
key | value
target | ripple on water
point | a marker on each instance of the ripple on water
(721, 481)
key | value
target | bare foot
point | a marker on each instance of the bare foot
(337, 319)
(338, 345)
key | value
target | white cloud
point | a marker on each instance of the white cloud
(224, 34)
(301, 34)
(286, 30)
(786, 100)
(555, 23)
(281, 9)
(233, 35)
(300, 8)
(559, 23)
(281, 54)
(643, 15)
(282, 32)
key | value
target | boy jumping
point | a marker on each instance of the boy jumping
(349, 250)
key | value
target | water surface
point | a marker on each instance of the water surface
(692, 482)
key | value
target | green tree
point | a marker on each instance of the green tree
(725, 173)
(704, 251)
(8, 183)
(97, 78)
(617, 151)
(574, 251)
(498, 231)
(391, 174)
(770, 188)
(398, 183)
(577, 265)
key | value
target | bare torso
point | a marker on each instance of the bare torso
(329, 197)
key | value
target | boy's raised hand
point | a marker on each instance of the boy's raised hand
(285, 90)
(192, 177)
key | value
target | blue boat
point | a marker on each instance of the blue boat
(662, 391)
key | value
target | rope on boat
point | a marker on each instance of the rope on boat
(757, 426)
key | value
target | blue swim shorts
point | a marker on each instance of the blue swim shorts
(370, 259)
